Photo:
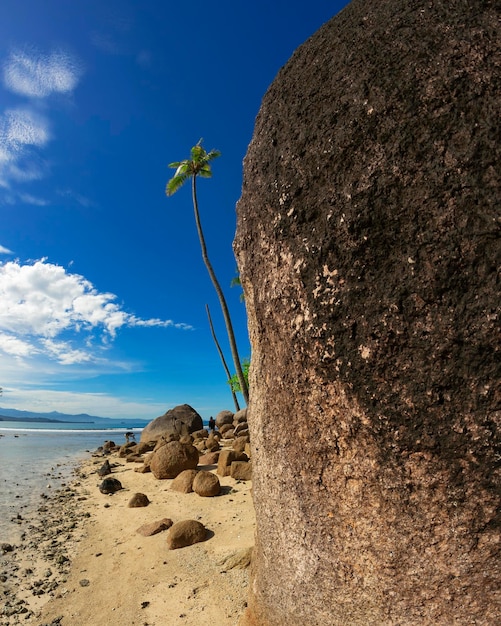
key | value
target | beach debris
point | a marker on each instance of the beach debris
(85, 582)
(138, 500)
(105, 469)
(206, 484)
(184, 481)
(172, 458)
(185, 533)
(153, 528)
(110, 485)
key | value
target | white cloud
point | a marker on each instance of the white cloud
(36, 75)
(21, 130)
(15, 347)
(4, 250)
(24, 126)
(64, 353)
(46, 310)
(27, 198)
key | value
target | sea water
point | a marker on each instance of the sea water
(40, 458)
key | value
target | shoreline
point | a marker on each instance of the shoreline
(82, 561)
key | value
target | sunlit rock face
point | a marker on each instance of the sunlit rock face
(368, 247)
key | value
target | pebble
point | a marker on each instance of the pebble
(46, 535)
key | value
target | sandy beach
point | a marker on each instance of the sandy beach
(82, 562)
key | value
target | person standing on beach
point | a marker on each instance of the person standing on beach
(212, 423)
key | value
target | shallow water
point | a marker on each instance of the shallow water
(36, 459)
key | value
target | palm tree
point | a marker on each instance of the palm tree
(199, 165)
(223, 360)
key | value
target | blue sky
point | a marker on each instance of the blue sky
(102, 285)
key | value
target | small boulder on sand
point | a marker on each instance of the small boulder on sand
(184, 481)
(147, 530)
(105, 469)
(110, 485)
(138, 500)
(206, 484)
(241, 470)
(172, 458)
(185, 533)
(226, 458)
(210, 458)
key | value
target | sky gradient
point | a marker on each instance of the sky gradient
(102, 284)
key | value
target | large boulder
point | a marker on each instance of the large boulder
(224, 417)
(368, 247)
(181, 420)
(173, 458)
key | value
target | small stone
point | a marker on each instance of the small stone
(110, 486)
(138, 500)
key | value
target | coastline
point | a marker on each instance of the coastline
(81, 560)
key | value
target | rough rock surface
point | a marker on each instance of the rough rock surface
(224, 417)
(184, 481)
(206, 484)
(153, 528)
(226, 458)
(185, 533)
(181, 420)
(105, 469)
(110, 485)
(241, 470)
(368, 248)
(173, 458)
(138, 500)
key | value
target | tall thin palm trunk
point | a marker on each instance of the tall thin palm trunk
(220, 295)
(223, 360)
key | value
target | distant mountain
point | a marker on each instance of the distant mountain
(54, 416)
(41, 420)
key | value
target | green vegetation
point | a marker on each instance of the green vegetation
(199, 165)
(234, 382)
